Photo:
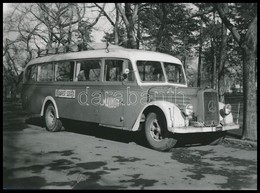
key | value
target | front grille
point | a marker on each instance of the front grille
(211, 109)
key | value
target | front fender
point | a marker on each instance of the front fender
(49, 98)
(172, 114)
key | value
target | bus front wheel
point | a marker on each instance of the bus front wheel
(52, 123)
(158, 137)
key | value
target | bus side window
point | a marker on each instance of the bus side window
(80, 75)
(64, 71)
(45, 73)
(113, 70)
(31, 73)
(88, 70)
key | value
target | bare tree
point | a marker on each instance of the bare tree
(129, 16)
(34, 27)
(114, 23)
(84, 28)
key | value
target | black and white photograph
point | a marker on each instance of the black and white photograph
(130, 96)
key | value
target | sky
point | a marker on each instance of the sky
(5, 7)
(102, 25)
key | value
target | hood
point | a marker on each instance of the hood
(180, 96)
(201, 100)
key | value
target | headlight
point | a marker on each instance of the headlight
(227, 109)
(188, 110)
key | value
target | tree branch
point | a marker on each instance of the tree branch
(222, 10)
(134, 17)
(96, 20)
(13, 66)
(122, 12)
(105, 14)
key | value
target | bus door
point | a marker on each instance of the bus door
(112, 91)
(111, 109)
(88, 78)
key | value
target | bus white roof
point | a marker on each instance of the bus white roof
(132, 54)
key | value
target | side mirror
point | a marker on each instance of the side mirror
(126, 72)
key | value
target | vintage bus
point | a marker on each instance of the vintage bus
(124, 89)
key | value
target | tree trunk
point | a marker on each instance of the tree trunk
(249, 85)
(129, 19)
(131, 38)
(116, 27)
(163, 17)
(214, 77)
(185, 45)
(222, 63)
(130, 28)
(138, 32)
(249, 47)
(200, 53)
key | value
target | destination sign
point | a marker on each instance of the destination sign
(65, 93)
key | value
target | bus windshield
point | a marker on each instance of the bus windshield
(152, 71)
(174, 73)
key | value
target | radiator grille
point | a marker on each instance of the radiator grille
(211, 109)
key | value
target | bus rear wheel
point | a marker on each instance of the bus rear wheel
(52, 123)
(157, 135)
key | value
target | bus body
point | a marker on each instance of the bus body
(124, 89)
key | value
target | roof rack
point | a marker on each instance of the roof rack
(76, 48)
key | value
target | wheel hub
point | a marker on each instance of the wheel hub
(155, 130)
(50, 118)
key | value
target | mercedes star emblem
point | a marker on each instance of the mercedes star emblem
(211, 106)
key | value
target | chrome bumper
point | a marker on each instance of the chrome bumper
(191, 129)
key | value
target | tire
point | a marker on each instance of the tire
(52, 123)
(156, 133)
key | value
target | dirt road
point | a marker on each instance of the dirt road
(104, 158)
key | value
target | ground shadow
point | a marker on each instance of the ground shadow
(107, 133)
(234, 135)
(196, 139)
(37, 121)
(13, 117)
(112, 134)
